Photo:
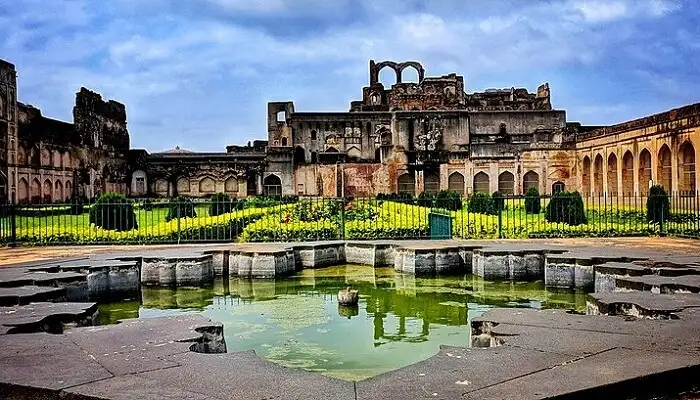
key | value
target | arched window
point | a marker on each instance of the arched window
(284, 142)
(612, 175)
(183, 185)
(272, 186)
(388, 76)
(558, 187)
(686, 168)
(598, 174)
(378, 155)
(34, 157)
(410, 74)
(506, 183)
(313, 135)
(281, 116)
(664, 169)
(628, 174)
(644, 171)
(531, 180)
(456, 183)
(431, 183)
(299, 155)
(586, 181)
(406, 184)
(207, 185)
(482, 183)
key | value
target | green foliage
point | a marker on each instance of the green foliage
(180, 207)
(269, 201)
(658, 205)
(499, 202)
(113, 212)
(221, 203)
(396, 197)
(532, 201)
(566, 207)
(448, 200)
(307, 210)
(361, 211)
(481, 203)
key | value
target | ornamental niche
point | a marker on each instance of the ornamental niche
(430, 136)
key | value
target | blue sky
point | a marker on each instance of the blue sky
(198, 73)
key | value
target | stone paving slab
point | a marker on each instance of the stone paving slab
(37, 317)
(641, 304)
(690, 283)
(26, 294)
(129, 387)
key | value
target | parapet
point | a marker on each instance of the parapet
(88, 100)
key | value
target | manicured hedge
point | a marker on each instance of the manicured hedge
(113, 212)
(180, 207)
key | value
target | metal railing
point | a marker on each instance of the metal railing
(261, 219)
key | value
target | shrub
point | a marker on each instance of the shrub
(113, 212)
(180, 207)
(566, 207)
(448, 200)
(425, 199)
(532, 201)
(658, 205)
(481, 203)
(405, 198)
(220, 204)
(499, 202)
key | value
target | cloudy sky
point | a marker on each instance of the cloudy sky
(198, 73)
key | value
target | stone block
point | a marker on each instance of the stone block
(534, 265)
(559, 272)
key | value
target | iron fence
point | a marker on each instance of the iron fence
(384, 217)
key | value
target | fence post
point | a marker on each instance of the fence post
(500, 223)
(13, 226)
(178, 222)
(342, 219)
(661, 223)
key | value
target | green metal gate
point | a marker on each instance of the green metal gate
(440, 225)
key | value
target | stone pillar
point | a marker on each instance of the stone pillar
(635, 173)
(605, 191)
(419, 182)
(259, 188)
(675, 178)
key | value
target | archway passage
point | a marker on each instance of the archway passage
(272, 186)
(644, 171)
(506, 183)
(456, 183)
(406, 184)
(431, 183)
(299, 155)
(531, 180)
(612, 175)
(586, 182)
(686, 168)
(598, 175)
(664, 170)
(628, 174)
(481, 183)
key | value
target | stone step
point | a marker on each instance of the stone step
(641, 304)
(45, 317)
(22, 295)
(23, 277)
(659, 284)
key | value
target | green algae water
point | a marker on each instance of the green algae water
(296, 321)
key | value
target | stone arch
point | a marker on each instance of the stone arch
(482, 183)
(207, 185)
(21, 156)
(406, 183)
(586, 181)
(598, 174)
(531, 179)
(284, 142)
(272, 185)
(686, 167)
(431, 183)
(251, 184)
(628, 174)
(644, 171)
(455, 182)
(612, 175)
(558, 186)
(58, 191)
(314, 136)
(35, 191)
(3, 188)
(56, 162)
(161, 187)
(66, 159)
(34, 157)
(331, 150)
(404, 78)
(354, 154)
(299, 155)
(23, 192)
(183, 185)
(378, 155)
(664, 168)
(506, 183)
(411, 64)
(45, 157)
(231, 185)
(376, 69)
(68, 189)
(314, 157)
(138, 183)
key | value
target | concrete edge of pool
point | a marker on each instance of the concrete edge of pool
(640, 337)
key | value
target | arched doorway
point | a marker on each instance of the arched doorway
(456, 183)
(612, 175)
(272, 186)
(644, 171)
(628, 174)
(586, 181)
(531, 180)
(506, 183)
(406, 184)
(252, 184)
(299, 155)
(558, 187)
(431, 183)
(664, 171)
(481, 183)
(598, 174)
(686, 168)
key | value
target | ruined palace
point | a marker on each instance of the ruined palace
(426, 135)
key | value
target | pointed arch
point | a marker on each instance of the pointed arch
(531, 179)
(231, 185)
(299, 155)
(69, 189)
(612, 175)
(183, 185)
(628, 174)
(506, 183)
(586, 181)
(598, 174)
(272, 185)
(35, 191)
(58, 191)
(431, 183)
(456, 183)
(482, 183)
(664, 174)
(23, 192)
(558, 187)
(686, 168)
(207, 185)
(406, 183)
(644, 171)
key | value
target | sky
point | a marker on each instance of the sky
(198, 73)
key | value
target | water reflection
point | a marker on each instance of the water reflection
(296, 321)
